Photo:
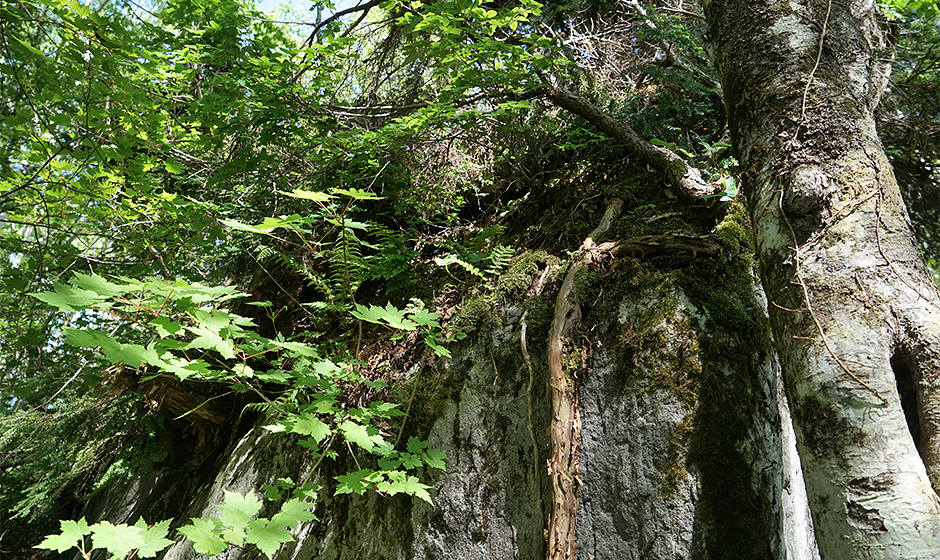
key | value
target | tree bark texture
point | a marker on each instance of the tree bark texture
(854, 312)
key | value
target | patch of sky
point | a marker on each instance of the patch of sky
(303, 7)
(301, 14)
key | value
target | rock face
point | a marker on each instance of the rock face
(682, 454)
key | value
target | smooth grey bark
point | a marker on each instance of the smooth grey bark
(855, 314)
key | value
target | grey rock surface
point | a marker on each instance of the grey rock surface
(682, 453)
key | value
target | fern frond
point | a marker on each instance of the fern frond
(256, 407)
(326, 307)
(265, 253)
(394, 260)
(499, 259)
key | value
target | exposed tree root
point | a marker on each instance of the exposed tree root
(685, 179)
(536, 471)
(566, 423)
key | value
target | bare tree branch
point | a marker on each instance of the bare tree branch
(685, 179)
(358, 8)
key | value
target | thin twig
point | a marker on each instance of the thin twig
(367, 6)
(812, 73)
(414, 391)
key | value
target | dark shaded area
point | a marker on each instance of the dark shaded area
(907, 390)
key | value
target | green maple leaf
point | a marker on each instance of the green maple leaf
(351, 224)
(266, 536)
(118, 539)
(208, 339)
(411, 461)
(212, 319)
(273, 376)
(365, 437)
(395, 318)
(268, 225)
(235, 224)
(293, 512)
(69, 298)
(385, 410)
(416, 445)
(357, 482)
(197, 293)
(174, 166)
(390, 463)
(413, 487)
(437, 348)
(154, 538)
(357, 194)
(309, 195)
(309, 425)
(102, 287)
(166, 327)
(183, 368)
(272, 492)
(203, 533)
(426, 318)
(326, 368)
(243, 370)
(400, 483)
(435, 458)
(91, 339)
(372, 314)
(323, 404)
(133, 355)
(389, 315)
(238, 508)
(72, 532)
(298, 347)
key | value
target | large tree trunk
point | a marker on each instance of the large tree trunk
(854, 312)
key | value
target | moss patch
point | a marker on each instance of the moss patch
(734, 230)
(480, 307)
(673, 471)
(474, 313)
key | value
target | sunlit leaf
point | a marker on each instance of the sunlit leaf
(72, 533)
(205, 534)
(154, 537)
(266, 536)
(118, 539)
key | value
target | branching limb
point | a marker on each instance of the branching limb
(680, 175)
(358, 8)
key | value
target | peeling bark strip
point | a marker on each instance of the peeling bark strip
(566, 433)
(852, 299)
